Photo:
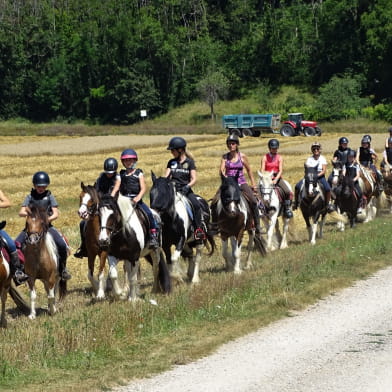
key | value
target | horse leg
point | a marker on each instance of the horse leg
(176, 272)
(226, 255)
(3, 320)
(50, 291)
(270, 231)
(155, 257)
(90, 273)
(283, 243)
(196, 264)
(33, 297)
(101, 276)
(113, 274)
(321, 226)
(131, 269)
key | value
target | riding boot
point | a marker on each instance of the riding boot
(330, 206)
(213, 225)
(17, 269)
(287, 210)
(82, 250)
(154, 239)
(64, 274)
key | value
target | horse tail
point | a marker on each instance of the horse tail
(258, 241)
(335, 216)
(19, 300)
(382, 201)
(210, 240)
(62, 289)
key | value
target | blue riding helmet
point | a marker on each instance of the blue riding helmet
(41, 178)
(129, 153)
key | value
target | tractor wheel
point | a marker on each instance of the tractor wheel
(309, 131)
(287, 130)
(247, 132)
(235, 131)
(318, 131)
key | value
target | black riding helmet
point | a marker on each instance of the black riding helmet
(273, 143)
(41, 178)
(366, 139)
(233, 138)
(176, 142)
(343, 140)
(352, 153)
(110, 165)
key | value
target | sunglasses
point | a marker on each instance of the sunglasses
(231, 143)
(315, 148)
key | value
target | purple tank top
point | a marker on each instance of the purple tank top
(234, 169)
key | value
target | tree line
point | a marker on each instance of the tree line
(105, 60)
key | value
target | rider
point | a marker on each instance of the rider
(316, 160)
(133, 185)
(273, 162)
(351, 169)
(387, 139)
(182, 171)
(232, 165)
(15, 264)
(108, 183)
(340, 155)
(387, 155)
(366, 156)
(41, 197)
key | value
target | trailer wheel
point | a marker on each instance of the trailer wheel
(235, 131)
(287, 130)
(247, 132)
(318, 131)
(256, 133)
(309, 131)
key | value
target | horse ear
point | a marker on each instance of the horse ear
(259, 174)
(82, 185)
(153, 176)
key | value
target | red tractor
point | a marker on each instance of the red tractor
(296, 125)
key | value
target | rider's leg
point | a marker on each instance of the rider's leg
(327, 189)
(15, 264)
(82, 250)
(288, 199)
(154, 227)
(253, 205)
(62, 250)
(213, 229)
(297, 189)
(199, 231)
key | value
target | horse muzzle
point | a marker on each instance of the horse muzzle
(34, 238)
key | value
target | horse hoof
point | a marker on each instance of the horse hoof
(32, 316)
(100, 296)
(237, 272)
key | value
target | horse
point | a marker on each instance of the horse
(347, 200)
(272, 201)
(312, 204)
(367, 183)
(41, 260)
(336, 175)
(124, 232)
(234, 218)
(88, 209)
(175, 211)
(387, 176)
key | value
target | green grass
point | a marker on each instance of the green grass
(87, 345)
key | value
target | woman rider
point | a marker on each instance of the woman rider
(272, 162)
(181, 169)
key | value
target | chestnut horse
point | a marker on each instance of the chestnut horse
(41, 259)
(88, 210)
(367, 183)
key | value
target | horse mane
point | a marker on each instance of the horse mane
(41, 214)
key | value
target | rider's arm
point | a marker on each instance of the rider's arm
(116, 186)
(263, 160)
(280, 172)
(222, 170)
(193, 178)
(248, 170)
(4, 201)
(323, 170)
(167, 172)
(55, 214)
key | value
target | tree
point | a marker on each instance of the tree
(214, 86)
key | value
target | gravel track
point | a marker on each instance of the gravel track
(342, 343)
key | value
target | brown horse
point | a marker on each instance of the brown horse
(367, 183)
(387, 176)
(41, 259)
(88, 209)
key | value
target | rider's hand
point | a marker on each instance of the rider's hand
(185, 189)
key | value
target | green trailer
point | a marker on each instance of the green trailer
(251, 124)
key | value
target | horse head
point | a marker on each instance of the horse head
(337, 167)
(37, 224)
(110, 220)
(230, 194)
(266, 187)
(162, 194)
(89, 200)
(311, 181)
(347, 187)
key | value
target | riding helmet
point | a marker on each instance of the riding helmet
(343, 140)
(41, 178)
(176, 142)
(129, 153)
(352, 153)
(315, 145)
(233, 138)
(273, 143)
(110, 165)
(366, 139)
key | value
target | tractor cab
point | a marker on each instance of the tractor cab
(296, 125)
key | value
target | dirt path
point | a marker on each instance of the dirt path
(342, 343)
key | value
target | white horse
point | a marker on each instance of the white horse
(368, 186)
(274, 206)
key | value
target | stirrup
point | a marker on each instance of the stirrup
(79, 254)
(65, 275)
(20, 277)
(199, 234)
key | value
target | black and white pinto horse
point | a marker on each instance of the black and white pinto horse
(312, 204)
(175, 211)
(273, 210)
(125, 232)
(234, 218)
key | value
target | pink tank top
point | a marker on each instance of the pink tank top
(234, 169)
(272, 163)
